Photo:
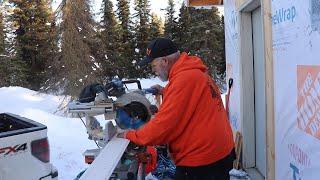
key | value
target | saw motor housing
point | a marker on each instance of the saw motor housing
(130, 110)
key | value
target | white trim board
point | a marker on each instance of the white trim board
(249, 6)
(247, 90)
(105, 163)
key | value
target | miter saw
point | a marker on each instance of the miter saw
(129, 109)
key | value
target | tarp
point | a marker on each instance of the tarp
(296, 55)
(232, 60)
(296, 52)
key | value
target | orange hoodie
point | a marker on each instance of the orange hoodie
(191, 119)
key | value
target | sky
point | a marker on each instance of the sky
(156, 6)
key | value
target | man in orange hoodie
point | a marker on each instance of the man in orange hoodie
(191, 119)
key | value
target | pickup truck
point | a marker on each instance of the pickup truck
(24, 149)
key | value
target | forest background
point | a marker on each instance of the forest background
(61, 50)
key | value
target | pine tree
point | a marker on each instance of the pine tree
(3, 57)
(207, 41)
(2, 32)
(184, 25)
(125, 63)
(110, 38)
(53, 44)
(155, 32)
(76, 65)
(13, 71)
(222, 49)
(171, 26)
(32, 20)
(142, 30)
(155, 27)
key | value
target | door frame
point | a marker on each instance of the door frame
(247, 87)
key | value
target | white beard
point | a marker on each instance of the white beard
(163, 76)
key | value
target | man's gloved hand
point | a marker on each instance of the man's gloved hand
(121, 133)
(143, 157)
(158, 88)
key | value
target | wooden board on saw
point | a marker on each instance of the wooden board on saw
(105, 163)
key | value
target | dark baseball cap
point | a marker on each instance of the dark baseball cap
(159, 47)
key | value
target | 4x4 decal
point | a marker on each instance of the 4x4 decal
(14, 149)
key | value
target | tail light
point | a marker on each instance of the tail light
(90, 155)
(40, 150)
(88, 159)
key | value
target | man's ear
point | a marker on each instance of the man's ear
(166, 60)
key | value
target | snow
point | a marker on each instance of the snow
(238, 174)
(67, 136)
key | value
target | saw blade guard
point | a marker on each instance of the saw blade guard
(132, 110)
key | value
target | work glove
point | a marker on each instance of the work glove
(121, 133)
(143, 157)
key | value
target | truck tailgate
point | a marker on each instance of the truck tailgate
(18, 155)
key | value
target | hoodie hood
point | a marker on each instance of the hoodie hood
(185, 63)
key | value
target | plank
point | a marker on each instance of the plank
(238, 147)
(105, 163)
(267, 26)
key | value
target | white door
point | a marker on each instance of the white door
(259, 95)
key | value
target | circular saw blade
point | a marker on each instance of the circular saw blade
(133, 110)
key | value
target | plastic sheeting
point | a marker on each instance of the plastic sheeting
(296, 52)
(296, 57)
(232, 57)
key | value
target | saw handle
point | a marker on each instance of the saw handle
(133, 81)
(152, 91)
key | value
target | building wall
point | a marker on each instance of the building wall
(232, 56)
(296, 56)
(296, 72)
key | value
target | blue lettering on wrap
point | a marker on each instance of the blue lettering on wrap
(295, 172)
(284, 15)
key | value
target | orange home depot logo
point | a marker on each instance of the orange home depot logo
(309, 99)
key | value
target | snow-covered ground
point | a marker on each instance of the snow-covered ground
(67, 136)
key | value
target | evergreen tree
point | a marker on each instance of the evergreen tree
(32, 20)
(155, 27)
(13, 71)
(184, 25)
(142, 28)
(76, 65)
(222, 49)
(142, 32)
(171, 25)
(2, 32)
(155, 32)
(207, 41)
(125, 63)
(50, 73)
(3, 57)
(110, 38)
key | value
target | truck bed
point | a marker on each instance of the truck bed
(11, 125)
